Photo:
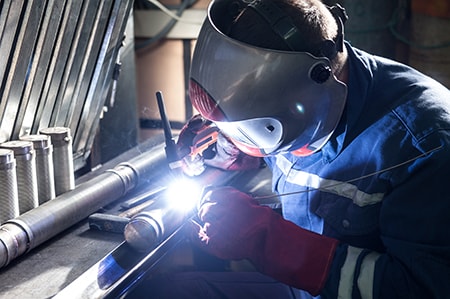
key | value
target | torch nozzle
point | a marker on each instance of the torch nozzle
(171, 148)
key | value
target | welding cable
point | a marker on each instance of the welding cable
(351, 180)
(171, 14)
(175, 17)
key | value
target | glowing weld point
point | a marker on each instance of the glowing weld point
(183, 194)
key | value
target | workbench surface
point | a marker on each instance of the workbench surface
(53, 265)
(50, 267)
(47, 269)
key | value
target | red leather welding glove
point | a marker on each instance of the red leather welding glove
(223, 154)
(236, 227)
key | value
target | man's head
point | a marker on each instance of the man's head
(262, 71)
(318, 30)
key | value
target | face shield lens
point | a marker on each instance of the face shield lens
(201, 101)
(265, 133)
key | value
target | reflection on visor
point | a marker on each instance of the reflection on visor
(265, 133)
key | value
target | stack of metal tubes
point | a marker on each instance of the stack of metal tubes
(32, 228)
(35, 169)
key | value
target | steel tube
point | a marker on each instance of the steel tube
(149, 228)
(62, 158)
(9, 201)
(162, 230)
(23, 233)
(44, 165)
(26, 173)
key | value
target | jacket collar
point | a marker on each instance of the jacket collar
(360, 66)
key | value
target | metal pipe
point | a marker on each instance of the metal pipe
(23, 233)
(43, 149)
(149, 228)
(161, 231)
(62, 158)
(9, 201)
(26, 173)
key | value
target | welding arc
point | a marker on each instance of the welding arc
(351, 180)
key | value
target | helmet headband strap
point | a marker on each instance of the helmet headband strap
(285, 28)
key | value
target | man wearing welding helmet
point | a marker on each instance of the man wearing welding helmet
(359, 147)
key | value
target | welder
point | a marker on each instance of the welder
(359, 148)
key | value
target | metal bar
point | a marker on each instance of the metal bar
(9, 24)
(22, 61)
(59, 59)
(77, 54)
(118, 271)
(26, 65)
(59, 63)
(128, 281)
(140, 198)
(102, 78)
(43, 55)
(95, 30)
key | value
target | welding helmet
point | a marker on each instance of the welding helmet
(266, 101)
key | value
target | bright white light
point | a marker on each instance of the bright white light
(300, 108)
(183, 194)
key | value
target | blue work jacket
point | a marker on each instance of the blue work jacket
(381, 185)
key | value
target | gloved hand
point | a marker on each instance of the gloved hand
(223, 154)
(236, 227)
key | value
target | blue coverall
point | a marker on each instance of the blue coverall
(381, 185)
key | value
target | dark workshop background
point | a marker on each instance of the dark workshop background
(415, 32)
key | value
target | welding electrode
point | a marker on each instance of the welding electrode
(133, 206)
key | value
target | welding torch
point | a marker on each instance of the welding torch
(150, 227)
(202, 141)
(170, 148)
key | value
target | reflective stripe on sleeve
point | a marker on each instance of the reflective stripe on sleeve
(348, 272)
(365, 279)
(340, 188)
(366, 274)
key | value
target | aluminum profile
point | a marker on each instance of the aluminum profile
(59, 59)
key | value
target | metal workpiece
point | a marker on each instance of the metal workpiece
(149, 228)
(9, 201)
(13, 242)
(23, 233)
(44, 165)
(62, 158)
(150, 236)
(58, 66)
(26, 173)
(119, 271)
